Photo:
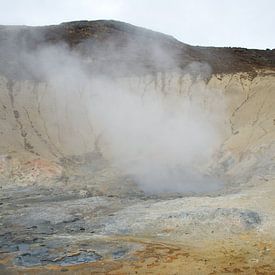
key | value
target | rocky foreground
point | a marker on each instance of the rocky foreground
(65, 206)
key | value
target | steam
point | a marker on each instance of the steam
(162, 145)
(163, 141)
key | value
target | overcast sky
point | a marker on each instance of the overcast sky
(244, 23)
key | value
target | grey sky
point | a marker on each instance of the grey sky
(244, 23)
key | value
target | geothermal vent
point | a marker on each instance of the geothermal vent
(123, 150)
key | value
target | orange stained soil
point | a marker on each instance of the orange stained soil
(243, 255)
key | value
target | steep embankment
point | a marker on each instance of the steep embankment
(40, 124)
(46, 111)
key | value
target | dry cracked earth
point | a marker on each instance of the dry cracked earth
(66, 209)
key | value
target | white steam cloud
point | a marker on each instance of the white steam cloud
(163, 145)
(164, 142)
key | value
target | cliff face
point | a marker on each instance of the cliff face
(37, 121)
(65, 90)
(51, 78)
(106, 110)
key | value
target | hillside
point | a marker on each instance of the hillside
(134, 48)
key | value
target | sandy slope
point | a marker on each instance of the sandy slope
(40, 124)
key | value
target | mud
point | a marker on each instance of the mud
(244, 255)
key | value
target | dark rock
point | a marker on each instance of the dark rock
(119, 254)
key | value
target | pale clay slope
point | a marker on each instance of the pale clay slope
(39, 123)
(36, 119)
